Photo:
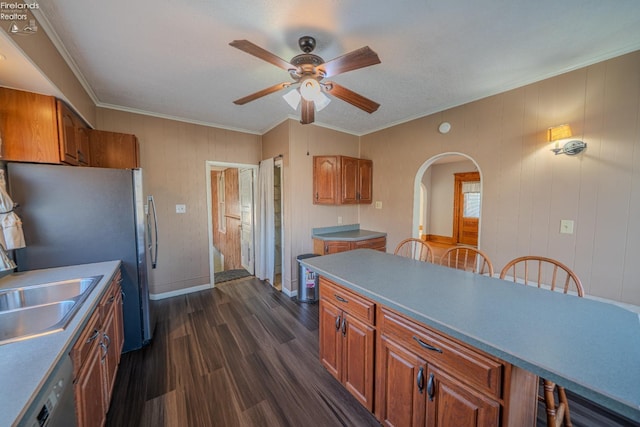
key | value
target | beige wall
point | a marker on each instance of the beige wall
(300, 214)
(173, 156)
(526, 189)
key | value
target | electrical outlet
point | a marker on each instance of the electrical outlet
(181, 208)
(339, 220)
(378, 204)
(566, 226)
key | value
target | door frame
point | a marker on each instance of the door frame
(458, 202)
(209, 166)
(417, 185)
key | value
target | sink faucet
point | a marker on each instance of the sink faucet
(6, 263)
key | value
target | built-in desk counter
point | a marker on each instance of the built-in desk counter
(589, 347)
(329, 240)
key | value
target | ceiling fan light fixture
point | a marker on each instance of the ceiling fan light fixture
(322, 101)
(310, 89)
(293, 98)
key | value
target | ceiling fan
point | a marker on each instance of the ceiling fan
(308, 71)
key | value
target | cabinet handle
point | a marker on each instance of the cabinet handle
(94, 336)
(104, 349)
(425, 345)
(316, 195)
(339, 298)
(420, 380)
(105, 336)
(430, 387)
(123, 295)
(110, 300)
(338, 323)
(344, 326)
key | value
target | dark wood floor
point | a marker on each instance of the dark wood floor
(243, 354)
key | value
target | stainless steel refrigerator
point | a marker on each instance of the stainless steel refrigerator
(78, 215)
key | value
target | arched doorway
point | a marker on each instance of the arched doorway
(437, 212)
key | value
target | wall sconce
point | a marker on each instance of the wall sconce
(570, 148)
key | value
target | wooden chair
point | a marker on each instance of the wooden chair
(551, 274)
(416, 249)
(468, 259)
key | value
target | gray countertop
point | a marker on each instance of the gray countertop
(347, 233)
(25, 365)
(590, 347)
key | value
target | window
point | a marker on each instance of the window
(471, 191)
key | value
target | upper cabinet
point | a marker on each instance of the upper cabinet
(341, 180)
(73, 136)
(114, 150)
(42, 129)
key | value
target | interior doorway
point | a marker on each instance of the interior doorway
(231, 213)
(438, 214)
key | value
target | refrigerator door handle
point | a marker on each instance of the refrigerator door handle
(153, 251)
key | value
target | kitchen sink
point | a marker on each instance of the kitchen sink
(11, 299)
(32, 311)
(36, 320)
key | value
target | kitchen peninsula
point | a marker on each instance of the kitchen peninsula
(590, 347)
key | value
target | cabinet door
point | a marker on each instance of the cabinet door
(28, 127)
(401, 386)
(451, 403)
(109, 356)
(325, 180)
(350, 179)
(333, 247)
(358, 367)
(89, 391)
(114, 150)
(84, 154)
(365, 181)
(67, 134)
(331, 338)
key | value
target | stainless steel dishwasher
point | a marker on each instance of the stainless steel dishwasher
(54, 405)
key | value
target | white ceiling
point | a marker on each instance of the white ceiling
(173, 59)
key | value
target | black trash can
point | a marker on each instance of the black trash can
(307, 281)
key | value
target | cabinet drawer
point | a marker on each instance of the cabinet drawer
(379, 243)
(86, 342)
(482, 371)
(348, 301)
(110, 297)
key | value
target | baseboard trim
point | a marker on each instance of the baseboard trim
(184, 291)
(289, 292)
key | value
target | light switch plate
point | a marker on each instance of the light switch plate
(566, 226)
(181, 208)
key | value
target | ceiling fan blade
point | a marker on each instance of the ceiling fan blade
(261, 93)
(360, 58)
(308, 112)
(258, 52)
(351, 97)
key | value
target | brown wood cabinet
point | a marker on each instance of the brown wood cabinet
(347, 337)
(325, 247)
(114, 150)
(96, 355)
(42, 129)
(426, 378)
(341, 180)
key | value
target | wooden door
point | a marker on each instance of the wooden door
(365, 181)
(349, 174)
(401, 385)
(246, 219)
(330, 339)
(466, 208)
(451, 403)
(89, 391)
(357, 356)
(325, 180)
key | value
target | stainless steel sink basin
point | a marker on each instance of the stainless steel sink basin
(41, 309)
(36, 320)
(11, 299)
